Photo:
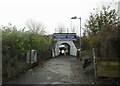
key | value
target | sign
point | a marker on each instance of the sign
(64, 36)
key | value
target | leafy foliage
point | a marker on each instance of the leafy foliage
(97, 21)
(15, 45)
(107, 42)
(103, 33)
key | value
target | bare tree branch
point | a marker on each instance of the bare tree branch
(35, 27)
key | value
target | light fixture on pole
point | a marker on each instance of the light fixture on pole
(80, 33)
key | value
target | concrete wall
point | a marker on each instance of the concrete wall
(73, 48)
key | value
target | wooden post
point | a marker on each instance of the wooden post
(94, 60)
(65, 52)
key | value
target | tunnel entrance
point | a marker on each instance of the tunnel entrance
(64, 49)
(64, 42)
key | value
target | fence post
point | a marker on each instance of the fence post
(94, 60)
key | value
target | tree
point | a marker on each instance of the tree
(103, 33)
(15, 45)
(36, 27)
(98, 20)
(107, 42)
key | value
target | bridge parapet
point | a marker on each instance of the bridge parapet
(64, 36)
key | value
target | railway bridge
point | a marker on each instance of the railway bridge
(64, 43)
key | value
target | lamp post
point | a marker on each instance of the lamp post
(80, 33)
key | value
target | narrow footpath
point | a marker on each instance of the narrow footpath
(55, 71)
(60, 70)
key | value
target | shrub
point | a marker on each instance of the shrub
(107, 42)
(16, 43)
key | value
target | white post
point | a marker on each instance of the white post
(53, 53)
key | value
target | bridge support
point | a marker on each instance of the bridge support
(72, 51)
(53, 53)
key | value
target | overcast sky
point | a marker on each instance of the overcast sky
(50, 12)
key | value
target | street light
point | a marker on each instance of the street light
(80, 33)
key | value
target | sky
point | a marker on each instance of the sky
(49, 12)
(119, 9)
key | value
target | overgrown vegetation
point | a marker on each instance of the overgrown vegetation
(107, 42)
(15, 44)
(103, 34)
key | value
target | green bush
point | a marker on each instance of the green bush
(15, 44)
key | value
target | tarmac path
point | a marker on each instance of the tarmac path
(55, 71)
(61, 70)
